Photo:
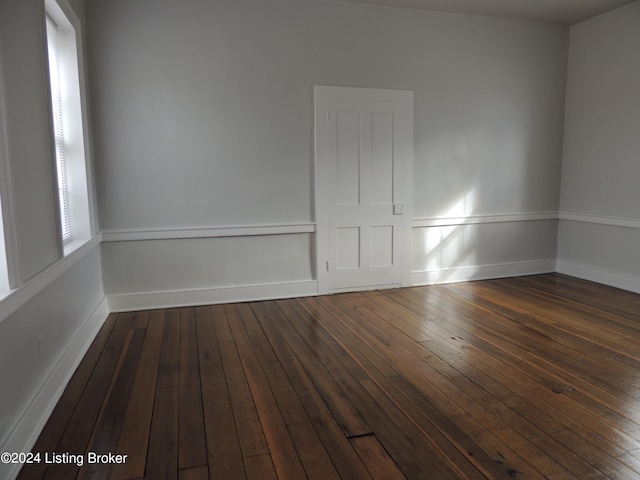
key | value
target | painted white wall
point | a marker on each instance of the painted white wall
(65, 312)
(143, 265)
(601, 167)
(26, 103)
(449, 253)
(211, 103)
(56, 299)
(203, 111)
(600, 252)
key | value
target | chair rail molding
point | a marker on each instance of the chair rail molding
(213, 232)
(481, 219)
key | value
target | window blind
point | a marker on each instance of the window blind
(57, 94)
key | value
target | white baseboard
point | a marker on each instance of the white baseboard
(482, 272)
(210, 296)
(624, 281)
(34, 417)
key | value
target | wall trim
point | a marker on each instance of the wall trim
(625, 281)
(32, 420)
(601, 219)
(481, 219)
(482, 272)
(229, 231)
(15, 299)
(129, 302)
(8, 212)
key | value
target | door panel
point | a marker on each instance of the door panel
(347, 248)
(382, 246)
(347, 158)
(382, 158)
(361, 157)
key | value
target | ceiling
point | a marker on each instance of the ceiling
(565, 12)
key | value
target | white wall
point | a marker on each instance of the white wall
(161, 273)
(26, 100)
(58, 304)
(600, 228)
(54, 320)
(203, 114)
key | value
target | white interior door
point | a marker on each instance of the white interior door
(364, 152)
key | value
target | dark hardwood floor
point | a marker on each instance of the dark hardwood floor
(531, 377)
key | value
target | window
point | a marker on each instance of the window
(68, 128)
(5, 195)
(4, 267)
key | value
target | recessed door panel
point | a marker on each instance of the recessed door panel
(382, 158)
(348, 158)
(347, 248)
(382, 246)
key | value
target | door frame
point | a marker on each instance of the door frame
(324, 98)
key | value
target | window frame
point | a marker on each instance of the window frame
(8, 237)
(78, 183)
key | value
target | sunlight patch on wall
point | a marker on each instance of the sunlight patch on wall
(445, 247)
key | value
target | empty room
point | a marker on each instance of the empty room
(289, 239)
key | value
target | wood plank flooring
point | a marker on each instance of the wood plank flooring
(530, 377)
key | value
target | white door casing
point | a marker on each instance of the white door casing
(364, 158)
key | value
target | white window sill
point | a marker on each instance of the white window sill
(12, 300)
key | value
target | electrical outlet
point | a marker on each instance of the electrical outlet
(40, 347)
